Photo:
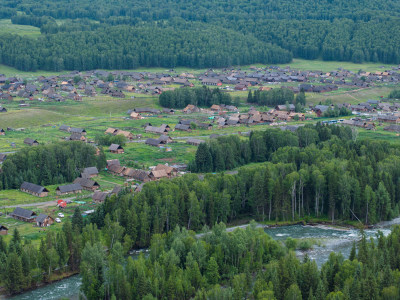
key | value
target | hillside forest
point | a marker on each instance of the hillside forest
(84, 35)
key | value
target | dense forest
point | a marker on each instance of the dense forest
(243, 264)
(279, 96)
(120, 35)
(49, 164)
(201, 96)
(321, 171)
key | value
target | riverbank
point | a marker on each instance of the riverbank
(55, 277)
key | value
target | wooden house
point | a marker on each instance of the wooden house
(34, 189)
(69, 189)
(99, 197)
(23, 214)
(77, 130)
(110, 131)
(191, 109)
(43, 220)
(126, 134)
(91, 171)
(31, 142)
(153, 142)
(171, 172)
(3, 230)
(156, 175)
(135, 116)
(2, 132)
(116, 169)
(115, 148)
(77, 137)
(65, 128)
(87, 184)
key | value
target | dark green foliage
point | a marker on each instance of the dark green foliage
(49, 164)
(275, 97)
(119, 34)
(202, 96)
(107, 140)
(395, 94)
(336, 112)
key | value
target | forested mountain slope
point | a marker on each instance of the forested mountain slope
(200, 33)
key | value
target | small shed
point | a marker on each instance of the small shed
(31, 142)
(44, 220)
(117, 149)
(3, 230)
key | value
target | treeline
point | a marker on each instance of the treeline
(275, 97)
(229, 152)
(201, 96)
(314, 172)
(22, 19)
(107, 140)
(245, 263)
(265, 32)
(49, 164)
(337, 112)
(125, 47)
(395, 94)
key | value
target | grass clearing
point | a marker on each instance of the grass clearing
(24, 30)
(327, 66)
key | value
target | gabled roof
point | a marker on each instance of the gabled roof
(116, 190)
(114, 147)
(99, 196)
(69, 188)
(41, 218)
(64, 127)
(30, 141)
(77, 130)
(34, 188)
(85, 182)
(152, 142)
(91, 171)
(23, 213)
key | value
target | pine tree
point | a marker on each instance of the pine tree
(212, 273)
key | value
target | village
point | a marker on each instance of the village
(157, 142)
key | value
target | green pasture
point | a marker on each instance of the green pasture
(25, 30)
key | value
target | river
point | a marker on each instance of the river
(332, 239)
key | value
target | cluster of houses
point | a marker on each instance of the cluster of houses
(83, 182)
(76, 85)
(158, 172)
(26, 215)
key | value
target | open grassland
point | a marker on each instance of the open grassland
(352, 96)
(326, 66)
(380, 134)
(25, 30)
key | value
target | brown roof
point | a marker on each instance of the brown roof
(158, 174)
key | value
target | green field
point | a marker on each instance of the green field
(326, 66)
(7, 27)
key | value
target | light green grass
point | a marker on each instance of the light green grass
(25, 30)
(327, 66)
(352, 96)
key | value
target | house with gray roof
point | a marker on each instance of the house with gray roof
(34, 189)
(43, 220)
(69, 189)
(23, 214)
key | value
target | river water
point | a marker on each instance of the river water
(331, 240)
